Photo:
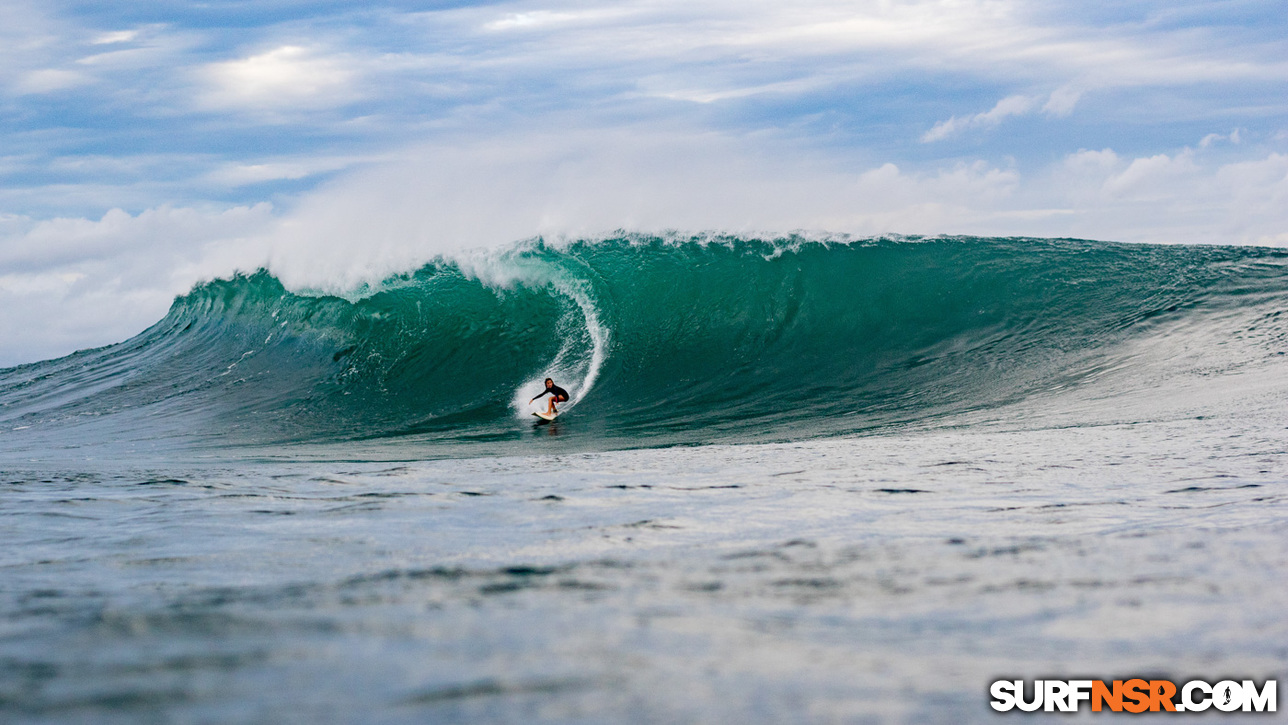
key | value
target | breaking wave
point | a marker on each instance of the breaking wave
(662, 340)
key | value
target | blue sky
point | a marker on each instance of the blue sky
(149, 145)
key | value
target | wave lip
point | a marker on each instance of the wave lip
(661, 340)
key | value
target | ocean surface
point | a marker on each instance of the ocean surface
(800, 480)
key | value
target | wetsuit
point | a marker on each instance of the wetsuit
(560, 394)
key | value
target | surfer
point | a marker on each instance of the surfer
(557, 395)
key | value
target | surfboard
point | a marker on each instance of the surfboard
(546, 417)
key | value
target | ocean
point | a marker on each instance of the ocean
(799, 480)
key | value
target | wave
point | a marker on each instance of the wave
(661, 340)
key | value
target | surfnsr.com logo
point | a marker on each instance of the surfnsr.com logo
(1138, 695)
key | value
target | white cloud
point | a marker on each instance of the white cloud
(39, 284)
(506, 66)
(544, 19)
(1010, 41)
(1059, 103)
(283, 78)
(1258, 195)
(119, 36)
(1062, 101)
(1154, 175)
(1005, 108)
(68, 284)
(1233, 137)
(242, 173)
(1084, 159)
(49, 80)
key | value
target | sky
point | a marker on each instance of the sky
(147, 146)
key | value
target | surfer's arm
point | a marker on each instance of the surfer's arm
(538, 395)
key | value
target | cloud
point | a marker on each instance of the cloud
(50, 80)
(262, 170)
(1095, 161)
(1233, 137)
(1005, 108)
(1153, 175)
(368, 81)
(70, 283)
(1007, 41)
(284, 78)
(545, 19)
(119, 36)
(1059, 103)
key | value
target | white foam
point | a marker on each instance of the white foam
(585, 337)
